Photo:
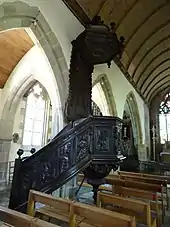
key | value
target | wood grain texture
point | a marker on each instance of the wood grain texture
(14, 44)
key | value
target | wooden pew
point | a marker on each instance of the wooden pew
(144, 195)
(100, 217)
(152, 197)
(145, 179)
(141, 210)
(139, 185)
(54, 207)
(152, 176)
(135, 184)
(71, 212)
(142, 178)
(14, 218)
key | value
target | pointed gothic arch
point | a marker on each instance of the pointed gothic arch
(131, 107)
(21, 15)
(107, 90)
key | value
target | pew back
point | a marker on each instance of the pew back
(101, 217)
(141, 210)
(73, 212)
(17, 219)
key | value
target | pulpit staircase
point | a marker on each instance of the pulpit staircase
(93, 142)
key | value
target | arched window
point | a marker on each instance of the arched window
(36, 118)
(164, 119)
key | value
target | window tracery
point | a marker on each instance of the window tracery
(164, 119)
(34, 130)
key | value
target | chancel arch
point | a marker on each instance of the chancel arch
(102, 95)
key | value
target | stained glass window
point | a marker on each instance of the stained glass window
(164, 119)
(34, 118)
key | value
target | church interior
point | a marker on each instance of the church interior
(85, 113)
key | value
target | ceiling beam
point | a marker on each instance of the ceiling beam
(78, 12)
(148, 52)
(154, 78)
(161, 88)
(144, 41)
(155, 84)
(140, 76)
(157, 66)
(126, 13)
(144, 21)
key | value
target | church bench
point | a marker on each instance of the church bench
(140, 209)
(141, 178)
(100, 217)
(136, 184)
(144, 195)
(156, 205)
(73, 212)
(50, 207)
(152, 176)
(139, 185)
(14, 218)
(145, 180)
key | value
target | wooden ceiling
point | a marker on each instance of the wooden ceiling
(14, 44)
(145, 24)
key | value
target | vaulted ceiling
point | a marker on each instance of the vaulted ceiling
(14, 44)
(145, 24)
